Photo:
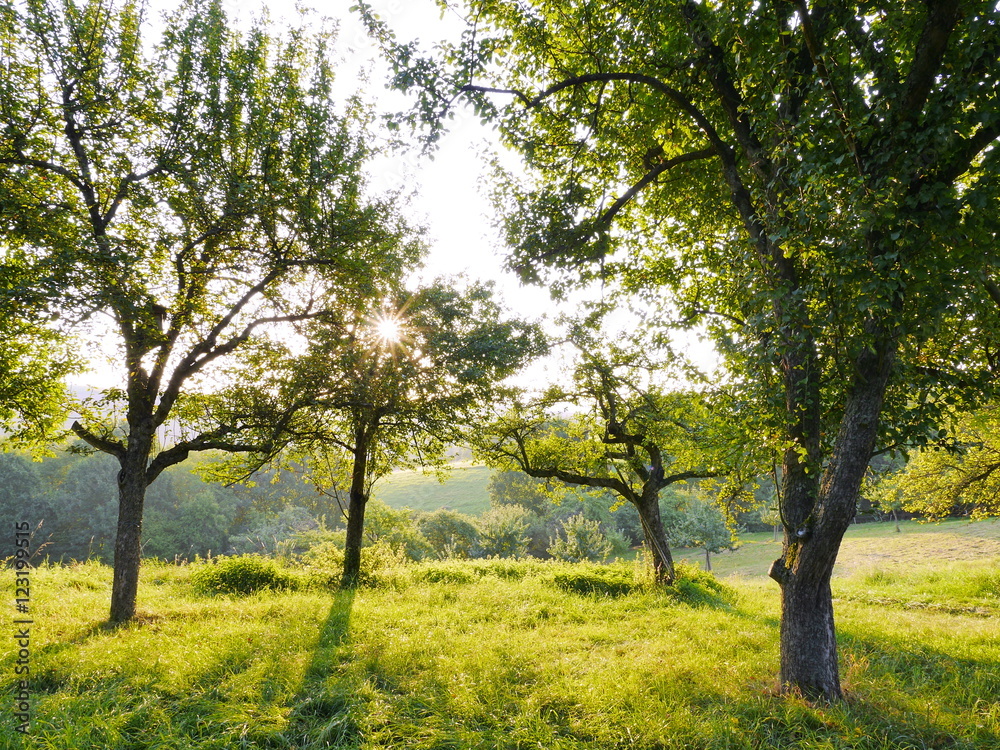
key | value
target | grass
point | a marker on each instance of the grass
(463, 491)
(503, 655)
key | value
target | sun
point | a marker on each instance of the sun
(389, 330)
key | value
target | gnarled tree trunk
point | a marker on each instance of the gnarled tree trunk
(655, 536)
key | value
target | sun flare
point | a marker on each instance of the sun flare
(388, 330)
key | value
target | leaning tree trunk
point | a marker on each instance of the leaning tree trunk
(656, 538)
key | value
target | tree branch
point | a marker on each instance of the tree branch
(114, 447)
(942, 17)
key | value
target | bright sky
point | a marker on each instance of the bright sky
(447, 195)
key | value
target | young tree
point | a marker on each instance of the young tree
(196, 197)
(814, 182)
(398, 384)
(704, 526)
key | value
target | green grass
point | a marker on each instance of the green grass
(499, 654)
(463, 491)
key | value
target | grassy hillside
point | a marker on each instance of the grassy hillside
(496, 655)
(870, 546)
(463, 491)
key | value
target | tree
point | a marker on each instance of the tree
(198, 197)
(812, 182)
(396, 385)
(625, 434)
(704, 526)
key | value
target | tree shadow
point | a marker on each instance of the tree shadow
(324, 708)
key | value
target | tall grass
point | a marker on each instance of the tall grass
(503, 654)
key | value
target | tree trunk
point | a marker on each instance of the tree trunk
(132, 483)
(128, 550)
(656, 538)
(357, 500)
(808, 637)
(708, 560)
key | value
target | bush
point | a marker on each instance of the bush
(242, 576)
(380, 565)
(581, 541)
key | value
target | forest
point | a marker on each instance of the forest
(191, 217)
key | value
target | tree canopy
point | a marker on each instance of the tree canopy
(396, 384)
(814, 182)
(198, 195)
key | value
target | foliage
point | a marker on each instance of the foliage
(965, 478)
(22, 502)
(380, 565)
(502, 531)
(517, 488)
(580, 541)
(450, 534)
(242, 576)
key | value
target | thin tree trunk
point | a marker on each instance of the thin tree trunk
(132, 483)
(357, 499)
(708, 560)
(656, 539)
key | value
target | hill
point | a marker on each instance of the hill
(463, 491)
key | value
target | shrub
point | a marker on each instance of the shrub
(380, 565)
(581, 540)
(243, 575)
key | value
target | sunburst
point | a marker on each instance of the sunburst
(389, 330)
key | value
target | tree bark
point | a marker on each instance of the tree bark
(357, 500)
(708, 560)
(656, 537)
(128, 549)
(808, 638)
(132, 483)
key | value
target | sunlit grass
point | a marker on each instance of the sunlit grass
(503, 657)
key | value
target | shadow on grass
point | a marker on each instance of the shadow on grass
(325, 707)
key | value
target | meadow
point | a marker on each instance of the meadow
(464, 490)
(519, 654)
